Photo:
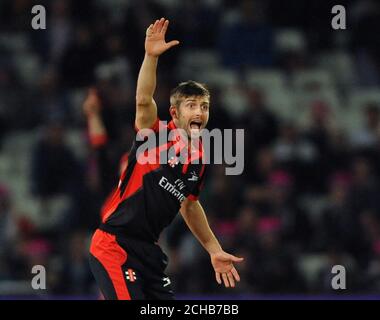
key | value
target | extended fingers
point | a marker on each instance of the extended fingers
(228, 278)
(160, 25)
(155, 26)
(235, 274)
(218, 280)
(225, 280)
(165, 26)
(231, 279)
(149, 30)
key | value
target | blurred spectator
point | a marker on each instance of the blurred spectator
(318, 135)
(8, 228)
(60, 31)
(263, 165)
(365, 185)
(338, 225)
(260, 123)
(245, 237)
(368, 136)
(54, 165)
(76, 278)
(362, 198)
(223, 194)
(2, 130)
(370, 235)
(56, 175)
(295, 225)
(366, 48)
(340, 152)
(79, 59)
(273, 268)
(297, 155)
(373, 271)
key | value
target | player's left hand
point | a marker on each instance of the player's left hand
(224, 268)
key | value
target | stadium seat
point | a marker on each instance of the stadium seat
(266, 79)
(192, 62)
(357, 99)
(17, 43)
(312, 80)
(28, 68)
(290, 40)
(311, 86)
(310, 265)
(274, 87)
(341, 66)
(234, 101)
(218, 77)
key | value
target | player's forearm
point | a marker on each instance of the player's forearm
(196, 220)
(146, 83)
(96, 129)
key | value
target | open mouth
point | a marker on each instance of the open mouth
(196, 125)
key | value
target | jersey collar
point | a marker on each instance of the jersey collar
(196, 152)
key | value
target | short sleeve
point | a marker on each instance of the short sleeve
(194, 195)
(98, 140)
(154, 127)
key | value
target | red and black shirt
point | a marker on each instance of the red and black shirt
(149, 195)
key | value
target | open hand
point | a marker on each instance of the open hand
(155, 43)
(224, 268)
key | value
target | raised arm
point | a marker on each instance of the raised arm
(91, 108)
(155, 45)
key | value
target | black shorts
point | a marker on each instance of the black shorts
(129, 269)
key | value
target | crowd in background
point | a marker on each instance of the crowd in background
(308, 198)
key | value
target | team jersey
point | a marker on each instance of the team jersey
(149, 195)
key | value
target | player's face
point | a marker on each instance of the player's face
(192, 114)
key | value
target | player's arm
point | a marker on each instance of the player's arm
(91, 108)
(98, 137)
(155, 45)
(221, 261)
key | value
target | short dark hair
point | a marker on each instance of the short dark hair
(187, 89)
